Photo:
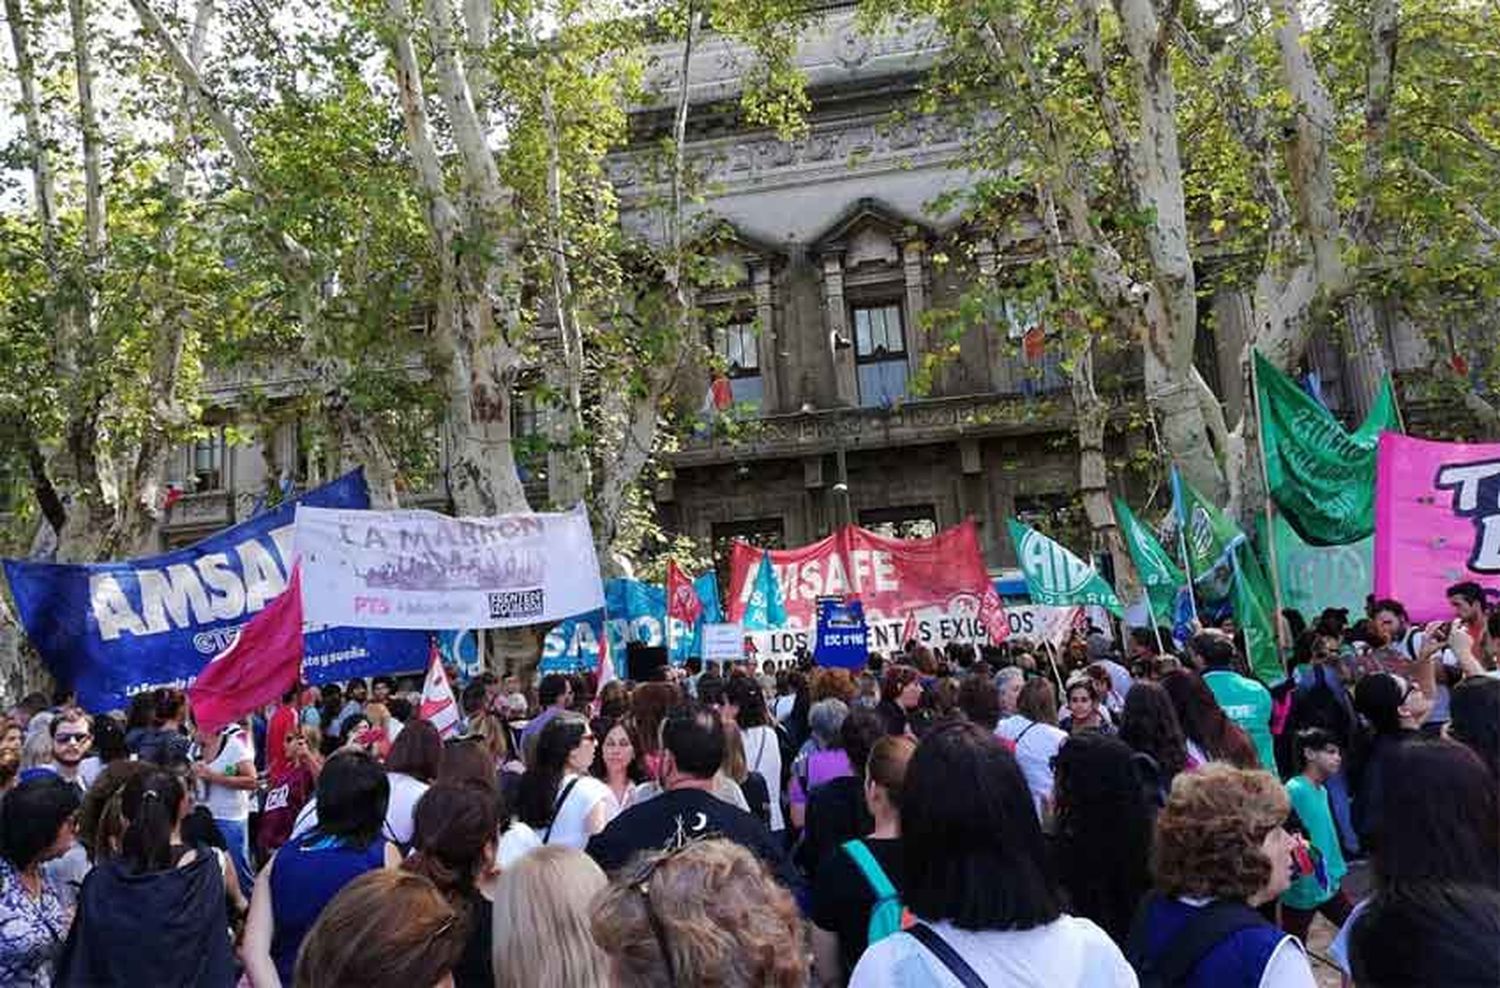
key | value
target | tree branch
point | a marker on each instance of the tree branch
(1379, 85)
(1109, 109)
(43, 183)
(1486, 229)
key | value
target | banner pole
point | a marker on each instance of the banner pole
(1187, 566)
(1269, 508)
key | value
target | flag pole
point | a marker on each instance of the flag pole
(1187, 566)
(1265, 481)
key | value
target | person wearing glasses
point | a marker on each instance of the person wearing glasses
(1395, 708)
(71, 737)
(705, 912)
(692, 742)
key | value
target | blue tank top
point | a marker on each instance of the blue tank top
(307, 872)
(1237, 961)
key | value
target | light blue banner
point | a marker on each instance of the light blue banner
(636, 612)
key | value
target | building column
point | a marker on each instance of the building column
(993, 337)
(765, 340)
(915, 272)
(840, 337)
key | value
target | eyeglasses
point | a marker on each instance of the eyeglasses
(71, 738)
(642, 886)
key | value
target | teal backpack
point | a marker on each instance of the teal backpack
(888, 914)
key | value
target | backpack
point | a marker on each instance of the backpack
(888, 915)
(1209, 926)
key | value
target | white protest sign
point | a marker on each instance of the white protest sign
(723, 642)
(423, 570)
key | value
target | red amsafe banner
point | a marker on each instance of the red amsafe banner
(891, 577)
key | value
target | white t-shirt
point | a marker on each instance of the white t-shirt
(763, 755)
(1036, 745)
(1068, 952)
(781, 707)
(223, 802)
(399, 811)
(570, 824)
(405, 791)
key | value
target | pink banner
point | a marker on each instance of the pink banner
(1437, 521)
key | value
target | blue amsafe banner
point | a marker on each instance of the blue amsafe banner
(114, 629)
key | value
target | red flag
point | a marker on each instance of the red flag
(682, 599)
(909, 631)
(992, 616)
(261, 664)
(438, 706)
(605, 671)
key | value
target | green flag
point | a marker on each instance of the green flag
(1321, 477)
(1224, 567)
(1159, 575)
(1057, 577)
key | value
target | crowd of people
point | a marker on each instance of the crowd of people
(1100, 814)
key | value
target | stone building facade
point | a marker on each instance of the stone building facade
(855, 402)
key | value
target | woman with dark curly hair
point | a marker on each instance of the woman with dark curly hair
(1211, 736)
(1103, 831)
(705, 913)
(1222, 851)
(1149, 725)
(900, 694)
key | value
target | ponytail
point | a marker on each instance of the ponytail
(149, 803)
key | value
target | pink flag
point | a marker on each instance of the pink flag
(682, 597)
(438, 706)
(261, 664)
(1437, 520)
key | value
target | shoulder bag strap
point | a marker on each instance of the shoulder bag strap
(1213, 923)
(562, 798)
(880, 882)
(759, 752)
(943, 951)
(1026, 730)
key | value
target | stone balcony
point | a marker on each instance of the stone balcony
(912, 423)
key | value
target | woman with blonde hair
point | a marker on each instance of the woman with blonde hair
(541, 917)
(706, 913)
(385, 929)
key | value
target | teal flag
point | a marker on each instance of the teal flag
(1321, 477)
(1057, 577)
(1161, 577)
(1224, 567)
(766, 611)
(1316, 577)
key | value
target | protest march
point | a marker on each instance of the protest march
(853, 766)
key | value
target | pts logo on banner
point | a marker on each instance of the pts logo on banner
(1476, 496)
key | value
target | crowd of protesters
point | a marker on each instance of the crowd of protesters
(1096, 814)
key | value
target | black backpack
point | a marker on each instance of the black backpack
(1210, 925)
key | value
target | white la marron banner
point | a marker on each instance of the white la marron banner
(424, 570)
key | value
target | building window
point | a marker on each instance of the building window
(918, 521)
(763, 533)
(1058, 516)
(879, 353)
(737, 347)
(526, 432)
(208, 462)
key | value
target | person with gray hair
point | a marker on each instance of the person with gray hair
(822, 758)
(1009, 681)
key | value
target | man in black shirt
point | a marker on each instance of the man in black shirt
(693, 749)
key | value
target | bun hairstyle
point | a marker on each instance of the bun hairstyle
(452, 826)
(149, 803)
